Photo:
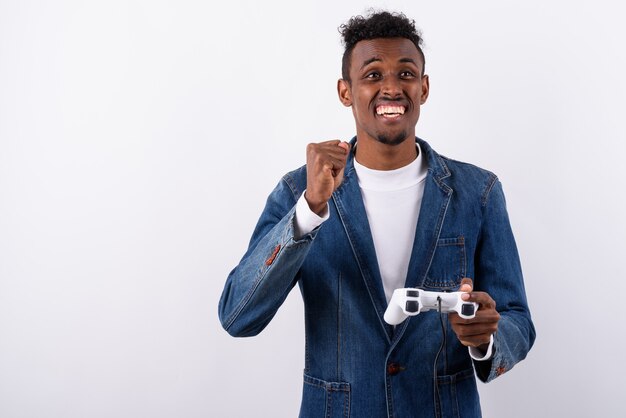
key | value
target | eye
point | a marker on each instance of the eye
(374, 75)
(407, 74)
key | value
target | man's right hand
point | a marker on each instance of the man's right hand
(325, 162)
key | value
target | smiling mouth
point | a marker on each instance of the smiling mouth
(390, 112)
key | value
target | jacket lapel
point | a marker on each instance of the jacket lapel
(433, 210)
(435, 202)
(349, 203)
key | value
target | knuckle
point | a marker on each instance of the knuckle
(312, 148)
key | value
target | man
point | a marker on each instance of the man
(382, 212)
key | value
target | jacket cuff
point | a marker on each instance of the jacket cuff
(478, 355)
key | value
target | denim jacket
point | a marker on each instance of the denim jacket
(356, 365)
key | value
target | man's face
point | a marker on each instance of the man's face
(386, 89)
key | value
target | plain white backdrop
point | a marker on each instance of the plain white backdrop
(139, 140)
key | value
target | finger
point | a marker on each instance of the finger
(482, 298)
(477, 333)
(476, 341)
(329, 142)
(334, 144)
(485, 322)
(483, 333)
(333, 165)
(482, 317)
(325, 147)
(337, 154)
(466, 331)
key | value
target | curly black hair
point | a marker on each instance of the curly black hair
(381, 24)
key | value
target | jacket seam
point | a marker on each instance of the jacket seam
(249, 295)
(292, 186)
(339, 327)
(487, 193)
(253, 289)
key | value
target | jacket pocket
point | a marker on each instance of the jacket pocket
(448, 266)
(458, 395)
(321, 399)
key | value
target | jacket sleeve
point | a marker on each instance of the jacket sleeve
(259, 284)
(499, 273)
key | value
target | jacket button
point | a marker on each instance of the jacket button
(394, 368)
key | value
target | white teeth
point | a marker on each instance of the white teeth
(382, 110)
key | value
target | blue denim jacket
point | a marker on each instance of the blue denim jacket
(356, 365)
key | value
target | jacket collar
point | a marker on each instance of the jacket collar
(349, 203)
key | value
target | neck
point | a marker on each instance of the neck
(378, 156)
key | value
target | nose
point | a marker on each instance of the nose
(391, 87)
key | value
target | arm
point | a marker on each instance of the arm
(257, 287)
(498, 273)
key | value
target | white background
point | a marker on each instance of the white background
(139, 140)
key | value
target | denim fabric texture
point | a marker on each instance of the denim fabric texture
(356, 365)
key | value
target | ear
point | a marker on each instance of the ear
(343, 90)
(425, 88)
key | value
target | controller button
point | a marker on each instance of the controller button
(412, 306)
(394, 368)
(467, 309)
(412, 293)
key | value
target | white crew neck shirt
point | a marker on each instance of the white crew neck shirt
(392, 200)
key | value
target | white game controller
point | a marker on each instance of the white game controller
(409, 302)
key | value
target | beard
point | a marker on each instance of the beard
(392, 140)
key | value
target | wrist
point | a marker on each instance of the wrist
(316, 207)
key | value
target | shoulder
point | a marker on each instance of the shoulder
(468, 171)
(467, 178)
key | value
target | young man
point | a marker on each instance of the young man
(382, 212)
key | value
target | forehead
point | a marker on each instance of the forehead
(385, 50)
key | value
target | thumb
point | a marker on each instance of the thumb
(466, 285)
(345, 145)
(338, 178)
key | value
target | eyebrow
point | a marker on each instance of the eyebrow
(411, 60)
(375, 59)
(369, 61)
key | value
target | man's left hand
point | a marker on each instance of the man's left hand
(477, 331)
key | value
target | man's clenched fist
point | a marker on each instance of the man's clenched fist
(325, 162)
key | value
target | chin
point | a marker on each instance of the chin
(390, 139)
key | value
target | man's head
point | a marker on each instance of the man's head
(377, 25)
(383, 81)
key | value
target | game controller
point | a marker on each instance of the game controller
(409, 302)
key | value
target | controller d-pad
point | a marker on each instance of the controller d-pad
(412, 306)
(467, 309)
